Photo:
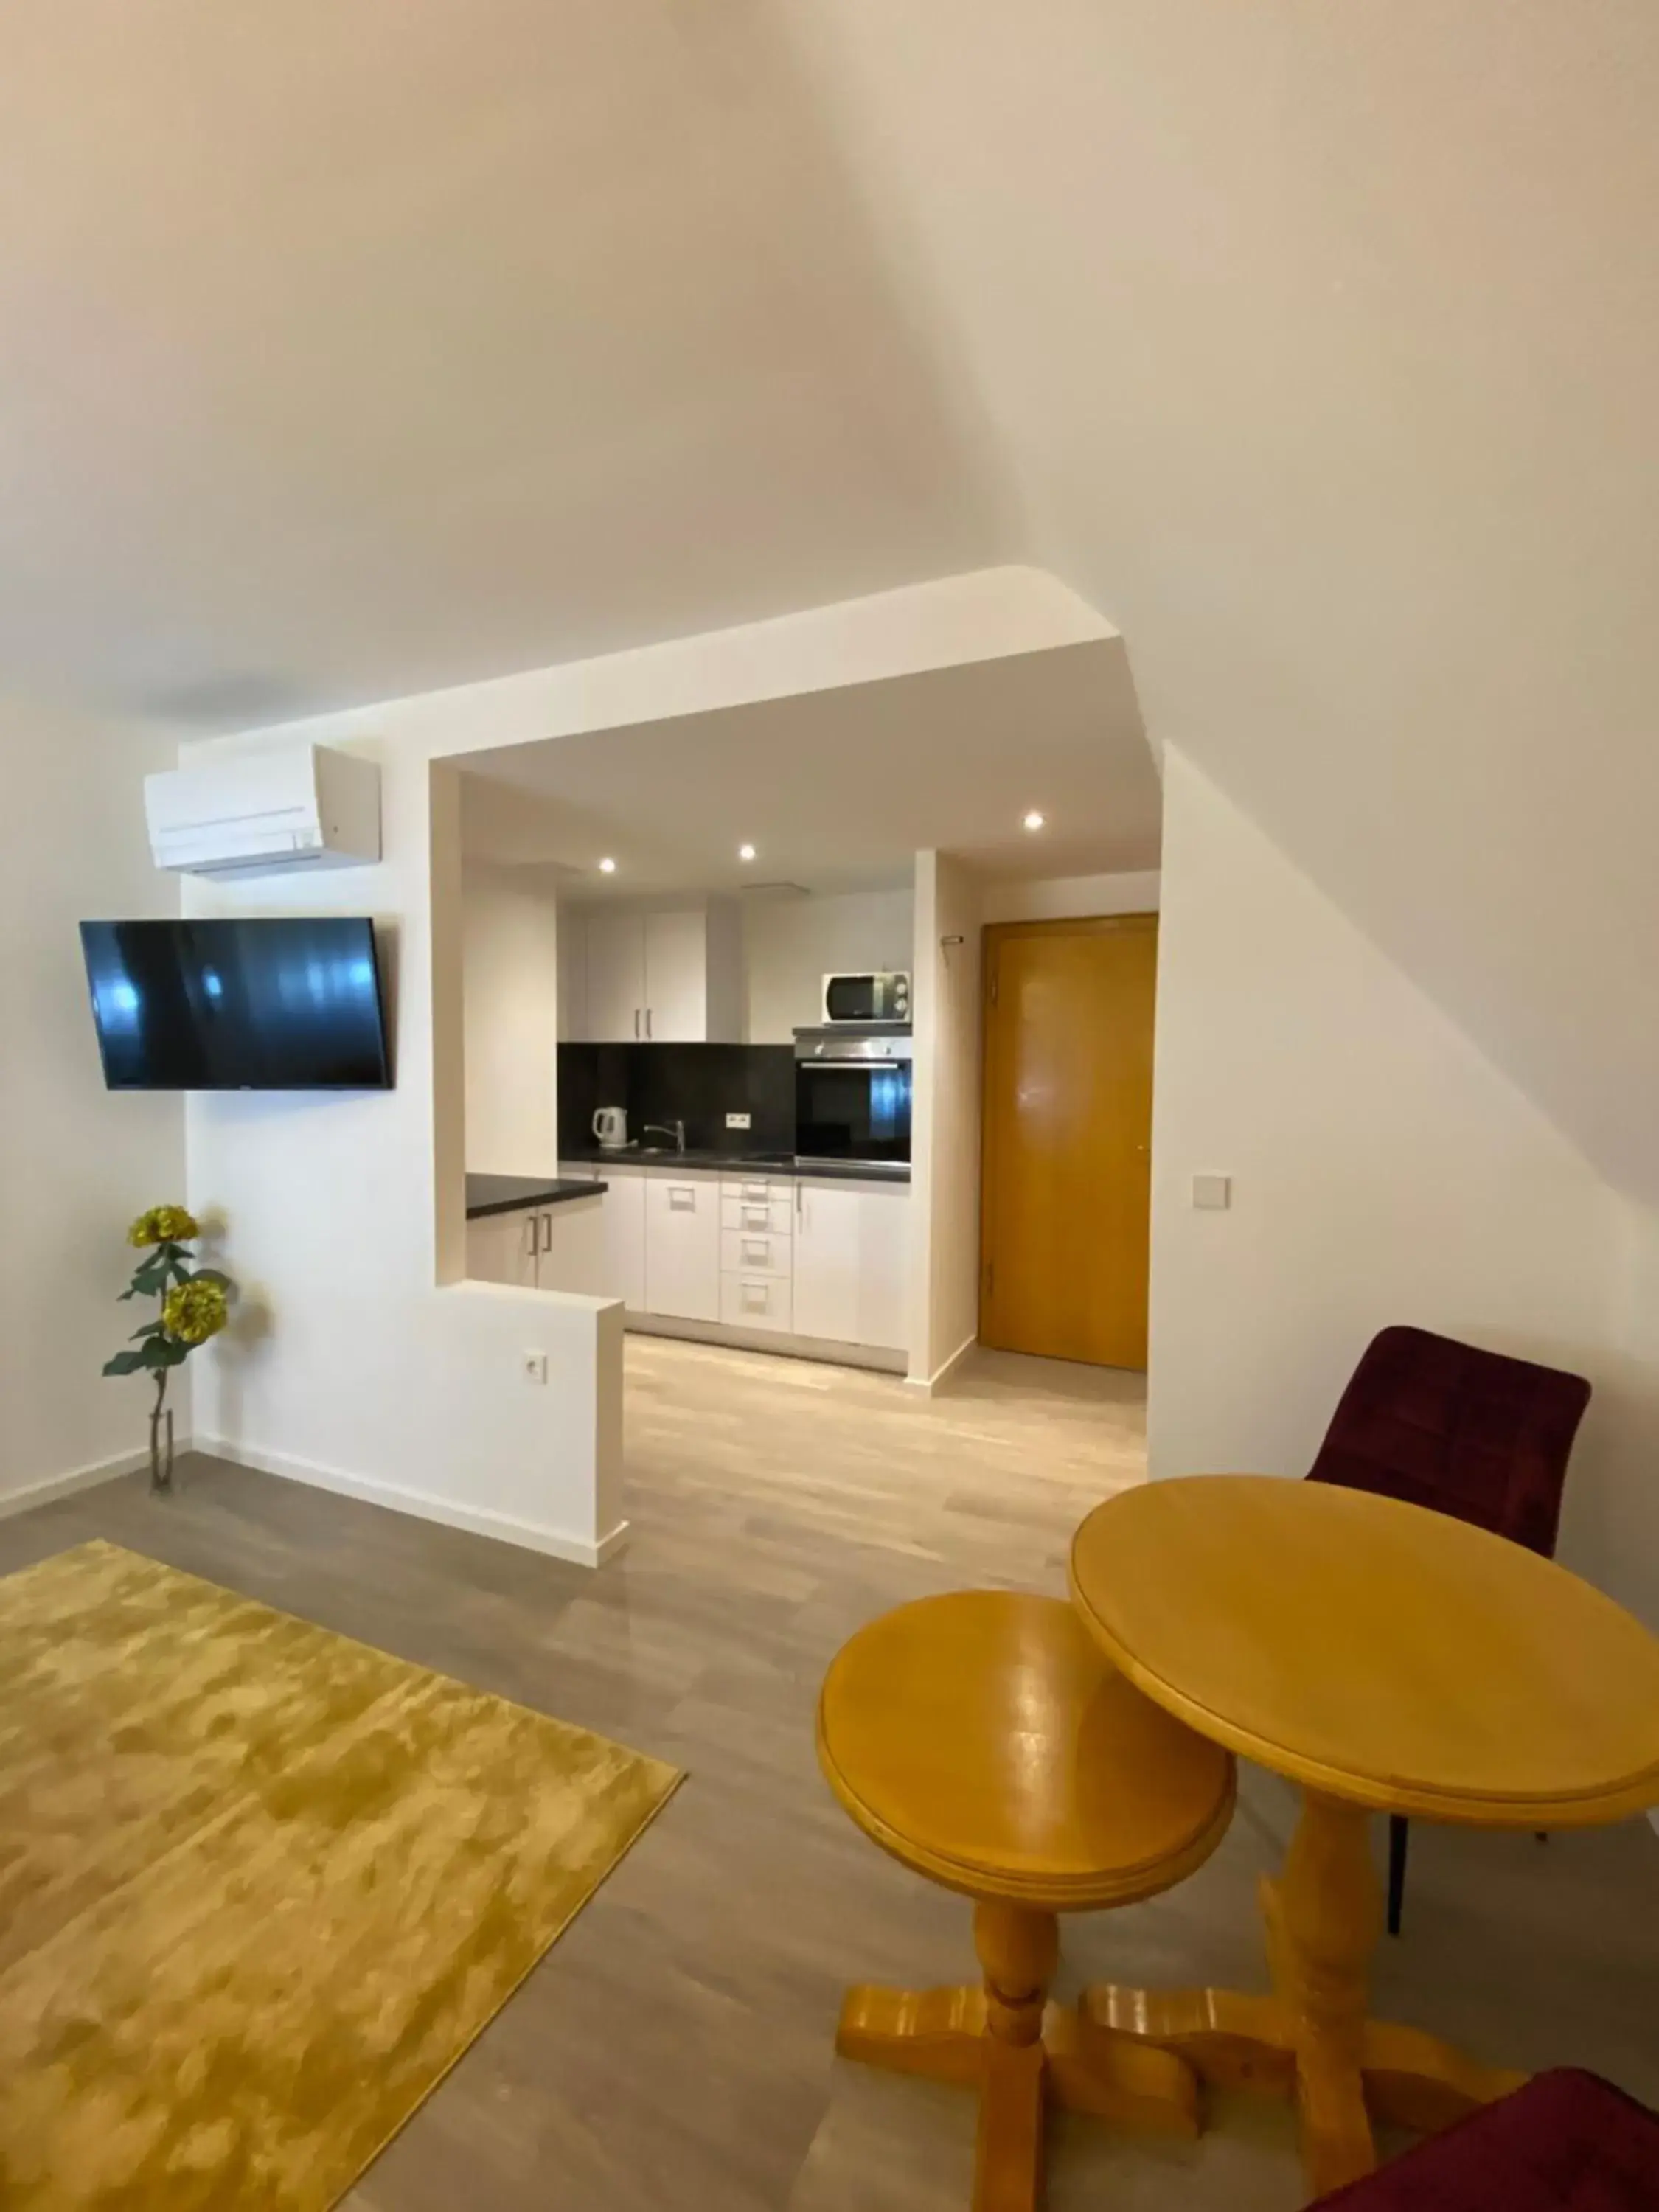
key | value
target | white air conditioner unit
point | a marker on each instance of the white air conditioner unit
(266, 813)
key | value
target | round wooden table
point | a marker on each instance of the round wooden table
(1388, 1659)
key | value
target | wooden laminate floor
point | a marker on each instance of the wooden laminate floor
(674, 2048)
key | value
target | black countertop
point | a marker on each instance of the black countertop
(493, 1194)
(738, 1163)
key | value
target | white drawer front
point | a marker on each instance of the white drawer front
(755, 1217)
(755, 1301)
(758, 1187)
(754, 1252)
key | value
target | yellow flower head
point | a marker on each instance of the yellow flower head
(163, 1224)
(195, 1310)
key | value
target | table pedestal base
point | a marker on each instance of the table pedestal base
(1312, 2038)
(1019, 2052)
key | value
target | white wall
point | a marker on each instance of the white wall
(1067, 898)
(510, 949)
(76, 1163)
(791, 944)
(377, 1368)
(362, 1361)
(945, 1136)
(1610, 1522)
(1382, 1172)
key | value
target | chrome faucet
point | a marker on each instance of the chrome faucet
(657, 1129)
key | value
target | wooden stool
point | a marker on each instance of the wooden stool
(981, 1739)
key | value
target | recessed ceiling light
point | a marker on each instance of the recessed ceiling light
(607, 867)
(1034, 820)
(745, 851)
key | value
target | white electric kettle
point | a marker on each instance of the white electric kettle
(611, 1127)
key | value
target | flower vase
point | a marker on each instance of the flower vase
(160, 1450)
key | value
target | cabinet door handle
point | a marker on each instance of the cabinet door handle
(547, 1232)
(637, 1023)
(647, 1021)
(797, 1201)
(530, 1236)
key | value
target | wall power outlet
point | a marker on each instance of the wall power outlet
(740, 1120)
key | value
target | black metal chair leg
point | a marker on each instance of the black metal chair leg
(1399, 1837)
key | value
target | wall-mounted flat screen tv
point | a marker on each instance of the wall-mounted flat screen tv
(287, 1005)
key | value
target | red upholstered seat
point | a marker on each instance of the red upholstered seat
(1470, 1433)
(1567, 2142)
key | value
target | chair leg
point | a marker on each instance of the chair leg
(1399, 1837)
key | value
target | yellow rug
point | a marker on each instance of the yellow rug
(259, 1887)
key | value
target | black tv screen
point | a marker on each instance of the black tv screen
(287, 1004)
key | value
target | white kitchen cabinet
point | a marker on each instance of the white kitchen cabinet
(851, 1263)
(673, 977)
(752, 1301)
(884, 1266)
(622, 1270)
(615, 1013)
(542, 1247)
(744, 1254)
(683, 1247)
(773, 1215)
(676, 978)
(502, 1248)
(624, 1237)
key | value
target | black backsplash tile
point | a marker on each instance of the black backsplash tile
(697, 1084)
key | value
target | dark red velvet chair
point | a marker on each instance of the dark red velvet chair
(1471, 1433)
(1566, 2142)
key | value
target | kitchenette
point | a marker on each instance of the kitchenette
(754, 1194)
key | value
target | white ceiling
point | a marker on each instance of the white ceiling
(353, 350)
(839, 790)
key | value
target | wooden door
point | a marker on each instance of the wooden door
(1066, 1208)
(615, 978)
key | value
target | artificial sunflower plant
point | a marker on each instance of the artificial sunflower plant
(194, 1305)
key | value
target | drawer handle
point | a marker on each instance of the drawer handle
(754, 1190)
(750, 1219)
(756, 1296)
(682, 1197)
(757, 1251)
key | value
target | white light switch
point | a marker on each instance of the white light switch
(740, 1120)
(1213, 1193)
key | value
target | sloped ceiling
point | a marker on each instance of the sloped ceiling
(351, 351)
(1323, 340)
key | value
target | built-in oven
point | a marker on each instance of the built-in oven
(853, 1093)
(882, 995)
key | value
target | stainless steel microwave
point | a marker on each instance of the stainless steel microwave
(882, 997)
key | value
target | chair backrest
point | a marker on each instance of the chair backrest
(1471, 1433)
